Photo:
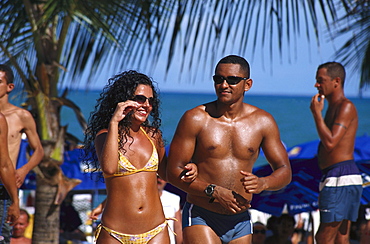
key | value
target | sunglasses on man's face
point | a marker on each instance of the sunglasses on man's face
(231, 80)
(142, 99)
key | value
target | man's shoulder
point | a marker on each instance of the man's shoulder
(345, 106)
(348, 102)
(12, 109)
(256, 111)
(203, 107)
(197, 111)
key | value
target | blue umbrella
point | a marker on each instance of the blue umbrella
(364, 167)
(309, 149)
(301, 194)
(72, 167)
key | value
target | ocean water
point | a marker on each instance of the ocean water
(292, 114)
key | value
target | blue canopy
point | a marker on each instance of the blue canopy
(301, 195)
(309, 149)
(72, 168)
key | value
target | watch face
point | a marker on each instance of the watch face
(209, 190)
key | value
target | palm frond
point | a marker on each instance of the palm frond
(355, 52)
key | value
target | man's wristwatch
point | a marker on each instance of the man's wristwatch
(209, 192)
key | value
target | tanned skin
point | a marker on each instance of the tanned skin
(7, 173)
(223, 138)
(337, 132)
(21, 121)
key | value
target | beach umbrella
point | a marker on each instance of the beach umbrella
(309, 149)
(364, 167)
(301, 195)
(362, 148)
(72, 167)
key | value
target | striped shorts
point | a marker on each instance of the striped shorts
(340, 192)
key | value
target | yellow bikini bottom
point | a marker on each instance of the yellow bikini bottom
(132, 239)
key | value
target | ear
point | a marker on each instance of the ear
(10, 87)
(337, 82)
(248, 84)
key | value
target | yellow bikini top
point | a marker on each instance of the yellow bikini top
(126, 168)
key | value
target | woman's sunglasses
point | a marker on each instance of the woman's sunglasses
(231, 80)
(142, 99)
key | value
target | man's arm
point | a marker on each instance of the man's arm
(277, 157)
(7, 172)
(181, 152)
(345, 115)
(29, 127)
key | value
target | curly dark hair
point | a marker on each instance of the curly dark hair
(120, 88)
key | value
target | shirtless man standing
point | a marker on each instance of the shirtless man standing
(9, 202)
(19, 121)
(224, 138)
(341, 184)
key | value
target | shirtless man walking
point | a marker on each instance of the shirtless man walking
(19, 121)
(341, 184)
(224, 138)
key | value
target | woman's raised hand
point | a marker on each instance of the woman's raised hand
(122, 109)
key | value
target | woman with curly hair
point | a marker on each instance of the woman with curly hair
(129, 150)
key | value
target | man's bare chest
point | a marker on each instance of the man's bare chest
(240, 142)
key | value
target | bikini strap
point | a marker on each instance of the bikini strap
(168, 225)
(97, 232)
(146, 134)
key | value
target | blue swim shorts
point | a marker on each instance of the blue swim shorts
(340, 192)
(227, 227)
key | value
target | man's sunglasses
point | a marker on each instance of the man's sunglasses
(231, 80)
(142, 99)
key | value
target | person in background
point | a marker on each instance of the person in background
(341, 183)
(171, 208)
(19, 229)
(223, 138)
(285, 230)
(127, 146)
(69, 222)
(259, 233)
(271, 226)
(9, 202)
(21, 121)
(302, 231)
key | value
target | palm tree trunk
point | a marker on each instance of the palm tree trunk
(46, 214)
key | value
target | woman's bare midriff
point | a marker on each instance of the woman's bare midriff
(131, 201)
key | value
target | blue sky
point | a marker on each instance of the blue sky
(277, 77)
(290, 73)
